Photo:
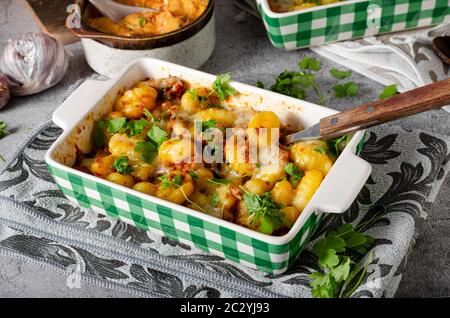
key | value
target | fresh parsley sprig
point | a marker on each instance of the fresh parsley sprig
(222, 86)
(338, 253)
(336, 145)
(389, 91)
(296, 84)
(344, 90)
(3, 130)
(122, 165)
(157, 135)
(295, 174)
(148, 151)
(340, 74)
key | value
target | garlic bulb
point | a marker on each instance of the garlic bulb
(33, 63)
(5, 93)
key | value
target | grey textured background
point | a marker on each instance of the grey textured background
(243, 49)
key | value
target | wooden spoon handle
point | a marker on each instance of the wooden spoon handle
(412, 102)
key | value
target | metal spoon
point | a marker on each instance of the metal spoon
(402, 105)
(117, 11)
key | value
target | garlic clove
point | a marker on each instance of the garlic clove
(33, 63)
(5, 92)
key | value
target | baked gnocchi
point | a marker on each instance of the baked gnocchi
(293, 5)
(170, 15)
(149, 140)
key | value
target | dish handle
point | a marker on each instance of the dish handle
(78, 104)
(341, 187)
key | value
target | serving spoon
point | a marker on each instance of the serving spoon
(368, 115)
(117, 11)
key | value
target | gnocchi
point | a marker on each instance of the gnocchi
(150, 146)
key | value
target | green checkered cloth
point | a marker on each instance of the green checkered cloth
(351, 20)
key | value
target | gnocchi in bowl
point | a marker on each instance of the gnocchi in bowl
(184, 143)
(126, 153)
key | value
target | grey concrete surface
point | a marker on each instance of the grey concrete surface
(243, 49)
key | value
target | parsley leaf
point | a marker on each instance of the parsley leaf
(347, 89)
(178, 180)
(336, 145)
(295, 84)
(340, 74)
(322, 150)
(147, 150)
(122, 165)
(98, 134)
(3, 130)
(336, 256)
(310, 63)
(263, 210)
(117, 124)
(142, 22)
(222, 87)
(165, 182)
(135, 127)
(286, 83)
(259, 84)
(193, 174)
(389, 91)
(295, 174)
(219, 181)
(150, 116)
(157, 135)
(215, 200)
(208, 124)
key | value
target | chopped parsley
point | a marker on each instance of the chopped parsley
(310, 63)
(147, 150)
(263, 210)
(116, 125)
(157, 135)
(336, 145)
(193, 174)
(178, 180)
(259, 84)
(389, 91)
(295, 174)
(3, 130)
(222, 87)
(122, 165)
(208, 124)
(215, 200)
(142, 22)
(219, 181)
(150, 116)
(296, 84)
(347, 89)
(322, 150)
(135, 127)
(166, 183)
(340, 74)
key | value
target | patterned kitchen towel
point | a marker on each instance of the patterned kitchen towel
(406, 58)
(39, 224)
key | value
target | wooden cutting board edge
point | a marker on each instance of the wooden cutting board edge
(63, 35)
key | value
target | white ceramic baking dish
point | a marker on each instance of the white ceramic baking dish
(274, 254)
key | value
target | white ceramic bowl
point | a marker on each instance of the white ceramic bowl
(108, 54)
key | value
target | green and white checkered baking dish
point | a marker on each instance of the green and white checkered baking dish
(94, 99)
(349, 20)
